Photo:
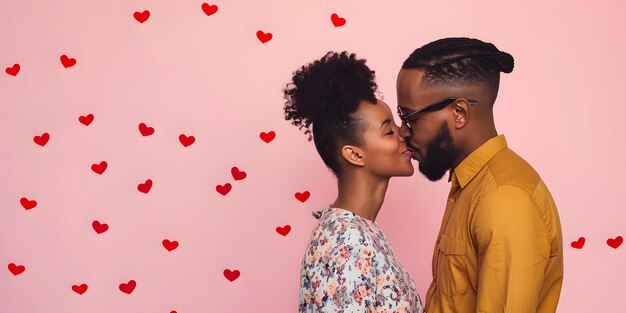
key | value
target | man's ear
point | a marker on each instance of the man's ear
(461, 113)
(354, 155)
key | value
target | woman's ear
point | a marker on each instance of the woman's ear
(354, 155)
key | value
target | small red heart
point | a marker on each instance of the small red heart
(170, 245)
(303, 196)
(209, 9)
(145, 130)
(264, 37)
(337, 21)
(578, 244)
(145, 187)
(283, 230)
(267, 137)
(16, 269)
(42, 140)
(13, 70)
(80, 289)
(67, 61)
(224, 189)
(142, 16)
(99, 168)
(128, 287)
(86, 120)
(237, 174)
(28, 204)
(231, 275)
(99, 228)
(186, 141)
(615, 242)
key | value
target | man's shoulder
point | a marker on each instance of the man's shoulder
(508, 168)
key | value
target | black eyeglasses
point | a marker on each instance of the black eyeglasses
(405, 115)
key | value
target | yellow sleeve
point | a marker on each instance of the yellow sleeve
(513, 250)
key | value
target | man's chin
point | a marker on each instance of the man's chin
(432, 175)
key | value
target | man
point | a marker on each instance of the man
(499, 248)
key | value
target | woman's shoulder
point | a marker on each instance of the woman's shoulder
(342, 227)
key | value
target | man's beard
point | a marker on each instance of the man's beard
(440, 155)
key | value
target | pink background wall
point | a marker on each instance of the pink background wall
(185, 72)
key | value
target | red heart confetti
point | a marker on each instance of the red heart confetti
(128, 287)
(67, 61)
(16, 269)
(80, 289)
(186, 141)
(209, 9)
(224, 189)
(237, 174)
(267, 137)
(99, 168)
(86, 120)
(145, 187)
(170, 245)
(13, 70)
(145, 130)
(142, 16)
(303, 196)
(283, 230)
(99, 228)
(28, 204)
(231, 275)
(42, 140)
(337, 21)
(615, 242)
(579, 243)
(264, 37)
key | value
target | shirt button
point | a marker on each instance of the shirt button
(452, 201)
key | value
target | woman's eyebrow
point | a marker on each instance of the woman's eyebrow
(387, 121)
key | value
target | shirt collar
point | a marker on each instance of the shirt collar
(475, 161)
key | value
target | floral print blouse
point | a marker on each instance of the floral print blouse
(349, 266)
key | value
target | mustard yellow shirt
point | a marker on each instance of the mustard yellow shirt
(500, 247)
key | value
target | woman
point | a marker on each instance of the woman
(349, 265)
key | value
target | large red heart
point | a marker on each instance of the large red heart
(170, 245)
(16, 269)
(209, 9)
(283, 230)
(67, 61)
(186, 140)
(142, 16)
(264, 37)
(231, 275)
(224, 189)
(13, 70)
(128, 287)
(145, 130)
(28, 204)
(86, 120)
(80, 289)
(99, 168)
(267, 137)
(145, 187)
(42, 140)
(578, 244)
(237, 174)
(337, 21)
(615, 242)
(99, 228)
(303, 196)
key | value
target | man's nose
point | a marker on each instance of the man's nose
(404, 131)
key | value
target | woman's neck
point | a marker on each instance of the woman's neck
(361, 194)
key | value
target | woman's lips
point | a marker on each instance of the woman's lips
(408, 153)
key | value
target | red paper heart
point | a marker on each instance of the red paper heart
(615, 242)
(67, 61)
(267, 137)
(42, 140)
(224, 189)
(145, 130)
(28, 204)
(86, 120)
(186, 141)
(145, 187)
(237, 174)
(303, 196)
(231, 275)
(337, 21)
(264, 37)
(128, 287)
(578, 244)
(170, 245)
(209, 9)
(16, 269)
(99, 168)
(80, 289)
(99, 228)
(283, 230)
(13, 70)
(142, 16)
